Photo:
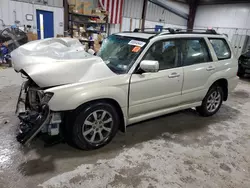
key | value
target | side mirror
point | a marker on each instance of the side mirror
(149, 66)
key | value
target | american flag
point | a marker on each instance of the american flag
(114, 7)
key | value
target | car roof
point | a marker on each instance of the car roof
(149, 35)
(136, 35)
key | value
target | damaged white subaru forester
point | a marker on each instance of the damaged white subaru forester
(135, 76)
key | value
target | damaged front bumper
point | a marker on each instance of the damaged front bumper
(35, 119)
(31, 123)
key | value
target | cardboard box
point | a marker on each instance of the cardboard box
(97, 46)
(59, 36)
(81, 6)
(72, 2)
(87, 8)
(31, 36)
(71, 8)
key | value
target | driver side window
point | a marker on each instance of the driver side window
(165, 52)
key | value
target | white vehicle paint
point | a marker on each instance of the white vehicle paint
(53, 62)
(140, 93)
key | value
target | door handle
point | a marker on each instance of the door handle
(174, 75)
(210, 68)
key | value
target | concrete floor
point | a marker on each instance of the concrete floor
(177, 150)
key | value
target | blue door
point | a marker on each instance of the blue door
(45, 24)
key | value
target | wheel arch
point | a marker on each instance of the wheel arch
(113, 102)
(223, 83)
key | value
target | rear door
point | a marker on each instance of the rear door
(225, 64)
(198, 66)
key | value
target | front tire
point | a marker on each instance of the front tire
(212, 102)
(9, 63)
(95, 125)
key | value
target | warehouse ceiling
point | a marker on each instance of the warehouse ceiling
(212, 2)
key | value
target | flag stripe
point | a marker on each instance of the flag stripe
(114, 11)
(109, 6)
(121, 9)
(106, 4)
(117, 13)
(114, 7)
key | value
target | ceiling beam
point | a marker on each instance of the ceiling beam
(213, 2)
(144, 12)
(193, 4)
(170, 9)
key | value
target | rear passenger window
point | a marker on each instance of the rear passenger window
(194, 51)
(221, 48)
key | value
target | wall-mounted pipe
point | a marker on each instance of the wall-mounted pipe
(3, 24)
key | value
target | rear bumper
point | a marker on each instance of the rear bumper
(232, 83)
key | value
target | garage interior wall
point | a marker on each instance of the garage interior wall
(7, 8)
(156, 15)
(227, 18)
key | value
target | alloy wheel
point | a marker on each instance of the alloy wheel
(213, 101)
(97, 126)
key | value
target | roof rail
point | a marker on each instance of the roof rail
(170, 30)
(208, 31)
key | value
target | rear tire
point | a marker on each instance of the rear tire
(94, 126)
(241, 72)
(212, 102)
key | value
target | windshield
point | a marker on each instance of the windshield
(119, 52)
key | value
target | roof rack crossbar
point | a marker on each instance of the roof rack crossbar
(211, 31)
(170, 30)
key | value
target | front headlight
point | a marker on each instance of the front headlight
(47, 96)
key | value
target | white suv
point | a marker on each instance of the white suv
(134, 77)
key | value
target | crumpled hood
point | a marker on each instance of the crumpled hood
(58, 61)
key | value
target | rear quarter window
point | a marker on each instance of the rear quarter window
(221, 48)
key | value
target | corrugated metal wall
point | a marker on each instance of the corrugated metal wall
(151, 24)
(132, 9)
(8, 7)
(156, 13)
(53, 3)
(229, 18)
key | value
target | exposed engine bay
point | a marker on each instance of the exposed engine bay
(34, 113)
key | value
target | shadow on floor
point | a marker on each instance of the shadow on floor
(183, 122)
(246, 78)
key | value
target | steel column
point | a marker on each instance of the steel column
(193, 4)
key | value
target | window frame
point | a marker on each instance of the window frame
(227, 46)
(206, 46)
(165, 40)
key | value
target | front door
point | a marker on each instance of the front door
(150, 92)
(45, 24)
